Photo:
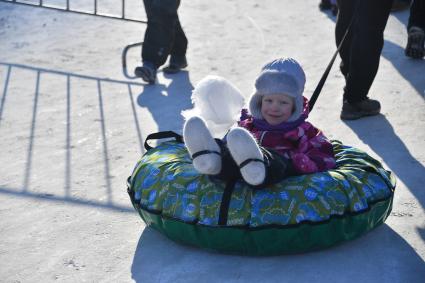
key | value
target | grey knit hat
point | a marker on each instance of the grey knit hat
(281, 76)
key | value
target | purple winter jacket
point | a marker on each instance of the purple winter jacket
(306, 146)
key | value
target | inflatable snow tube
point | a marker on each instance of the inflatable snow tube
(299, 214)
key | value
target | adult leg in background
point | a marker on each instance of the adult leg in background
(159, 36)
(360, 55)
(416, 30)
(178, 51)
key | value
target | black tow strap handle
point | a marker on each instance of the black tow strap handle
(162, 135)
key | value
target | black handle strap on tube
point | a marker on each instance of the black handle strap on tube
(162, 135)
(225, 202)
(322, 81)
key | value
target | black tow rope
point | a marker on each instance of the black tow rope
(322, 81)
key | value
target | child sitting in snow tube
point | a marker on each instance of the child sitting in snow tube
(268, 183)
(273, 142)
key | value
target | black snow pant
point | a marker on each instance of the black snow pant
(164, 35)
(417, 14)
(277, 166)
(362, 48)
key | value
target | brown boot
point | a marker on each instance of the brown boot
(356, 110)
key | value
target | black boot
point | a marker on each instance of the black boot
(363, 108)
(415, 43)
(176, 64)
(147, 72)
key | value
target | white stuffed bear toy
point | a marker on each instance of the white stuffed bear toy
(217, 108)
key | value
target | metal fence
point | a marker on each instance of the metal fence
(67, 6)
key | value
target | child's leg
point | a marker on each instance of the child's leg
(277, 167)
(202, 147)
(247, 154)
(229, 169)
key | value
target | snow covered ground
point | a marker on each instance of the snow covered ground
(72, 127)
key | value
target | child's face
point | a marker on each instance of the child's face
(277, 108)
